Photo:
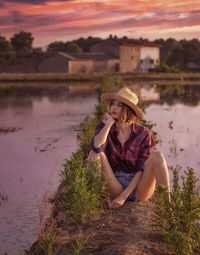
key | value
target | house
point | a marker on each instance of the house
(134, 55)
(79, 63)
(26, 62)
(109, 56)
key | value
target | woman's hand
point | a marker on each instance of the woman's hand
(107, 118)
(118, 202)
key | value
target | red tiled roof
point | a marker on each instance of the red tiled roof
(130, 42)
(87, 55)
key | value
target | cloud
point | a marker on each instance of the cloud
(17, 17)
(74, 18)
(1, 3)
(32, 2)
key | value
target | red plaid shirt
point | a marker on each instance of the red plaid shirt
(133, 155)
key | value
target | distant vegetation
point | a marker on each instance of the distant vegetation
(180, 53)
(174, 55)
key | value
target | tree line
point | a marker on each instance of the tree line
(173, 53)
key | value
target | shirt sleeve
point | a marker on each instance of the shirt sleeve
(147, 147)
(102, 147)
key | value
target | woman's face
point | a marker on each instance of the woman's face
(115, 108)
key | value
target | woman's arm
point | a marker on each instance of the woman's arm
(101, 137)
(119, 201)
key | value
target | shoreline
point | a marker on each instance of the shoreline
(97, 78)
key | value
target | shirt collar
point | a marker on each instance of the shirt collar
(113, 129)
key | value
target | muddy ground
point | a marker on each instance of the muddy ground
(123, 231)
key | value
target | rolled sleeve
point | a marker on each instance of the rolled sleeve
(147, 147)
(95, 149)
(102, 147)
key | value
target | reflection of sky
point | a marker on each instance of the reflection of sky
(32, 156)
(180, 145)
(31, 159)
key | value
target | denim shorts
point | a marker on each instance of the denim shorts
(124, 179)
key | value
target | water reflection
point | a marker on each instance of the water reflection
(186, 94)
(175, 111)
(39, 129)
(38, 133)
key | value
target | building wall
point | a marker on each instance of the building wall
(129, 58)
(80, 66)
(54, 64)
(100, 66)
(89, 66)
(106, 66)
(113, 66)
(149, 58)
(108, 47)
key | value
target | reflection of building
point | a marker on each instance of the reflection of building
(149, 93)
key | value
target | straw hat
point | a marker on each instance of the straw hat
(127, 97)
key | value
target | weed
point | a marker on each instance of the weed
(84, 188)
(47, 243)
(178, 219)
(3, 198)
(170, 124)
(78, 244)
(86, 133)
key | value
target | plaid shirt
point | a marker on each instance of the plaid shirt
(132, 156)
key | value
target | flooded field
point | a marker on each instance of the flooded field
(38, 131)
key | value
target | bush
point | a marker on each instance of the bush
(178, 219)
(164, 68)
(84, 188)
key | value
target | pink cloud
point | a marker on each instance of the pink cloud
(72, 19)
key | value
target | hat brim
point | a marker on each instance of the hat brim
(108, 97)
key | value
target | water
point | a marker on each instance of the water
(31, 157)
(178, 126)
(38, 132)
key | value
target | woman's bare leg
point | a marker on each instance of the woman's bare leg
(113, 187)
(155, 172)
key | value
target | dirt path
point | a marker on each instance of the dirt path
(124, 231)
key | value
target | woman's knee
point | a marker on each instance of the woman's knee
(95, 156)
(157, 158)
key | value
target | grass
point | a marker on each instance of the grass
(97, 77)
(78, 243)
(84, 194)
(3, 198)
(47, 244)
(178, 220)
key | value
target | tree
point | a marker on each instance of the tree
(7, 54)
(64, 47)
(37, 50)
(85, 44)
(22, 41)
(56, 46)
(72, 47)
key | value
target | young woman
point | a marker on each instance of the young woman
(125, 151)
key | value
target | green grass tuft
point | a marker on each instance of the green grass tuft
(84, 194)
(178, 219)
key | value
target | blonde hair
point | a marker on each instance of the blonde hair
(127, 115)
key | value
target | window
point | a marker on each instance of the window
(141, 61)
(132, 57)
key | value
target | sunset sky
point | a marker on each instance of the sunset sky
(64, 20)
